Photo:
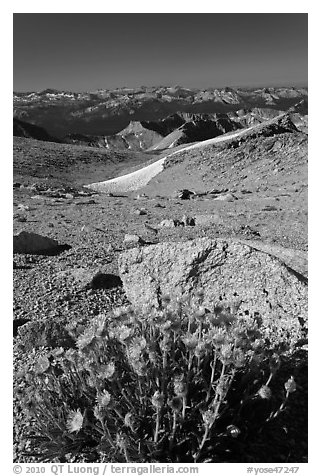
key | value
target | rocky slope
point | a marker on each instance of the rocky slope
(135, 137)
(202, 174)
(198, 127)
(182, 128)
(52, 164)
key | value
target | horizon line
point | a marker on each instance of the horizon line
(298, 84)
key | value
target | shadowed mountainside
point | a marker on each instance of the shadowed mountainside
(24, 129)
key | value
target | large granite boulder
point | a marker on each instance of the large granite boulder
(225, 270)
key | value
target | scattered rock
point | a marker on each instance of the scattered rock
(151, 228)
(23, 208)
(169, 223)
(133, 240)
(224, 269)
(62, 193)
(44, 333)
(229, 197)
(140, 211)
(184, 194)
(18, 323)
(35, 187)
(217, 191)
(86, 193)
(31, 243)
(37, 197)
(159, 205)
(247, 230)
(188, 221)
(269, 208)
(20, 218)
(141, 196)
(206, 220)
(87, 202)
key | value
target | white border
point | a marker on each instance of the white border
(179, 6)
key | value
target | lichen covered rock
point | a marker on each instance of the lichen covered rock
(226, 270)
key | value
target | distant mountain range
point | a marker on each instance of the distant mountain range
(108, 112)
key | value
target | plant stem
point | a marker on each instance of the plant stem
(123, 392)
(218, 397)
(282, 406)
(189, 324)
(126, 455)
(269, 379)
(54, 419)
(164, 371)
(190, 361)
(107, 433)
(212, 379)
(157, 425)
(205, 436)
(141, 391)
(200, 331)
(171, 443)
(118, 413)
(216, 404)
(184, 406)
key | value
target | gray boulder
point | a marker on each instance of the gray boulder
(169, 223)
(225, 270)
(23, 208)
(206, 220)
(188, 221)
(228, 197)
(140, 211)
(184, 194)
(44, 333)
(141, 196)
(133, 240)
(294, 259)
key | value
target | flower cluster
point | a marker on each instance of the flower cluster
(139, 385)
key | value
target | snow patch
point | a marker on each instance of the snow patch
(140, 178)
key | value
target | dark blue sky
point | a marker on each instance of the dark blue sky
(82, 52)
